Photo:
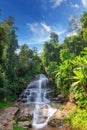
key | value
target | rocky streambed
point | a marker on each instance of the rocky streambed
(35, 109)
(21, 115)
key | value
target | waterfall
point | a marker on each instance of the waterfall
(38, 92)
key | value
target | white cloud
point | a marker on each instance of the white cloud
(56, 2)
(41, 32)
(71, 4)
(58, 29)
(39, 28)
(75, 6)
(18, 51)
(70, 34)
(84, 2)
(47, 28)
(39, 40)
(43, 29)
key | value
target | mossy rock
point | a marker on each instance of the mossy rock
(55, 122)
(26, 118)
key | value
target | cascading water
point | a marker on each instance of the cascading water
(42, 111)
(38, 92)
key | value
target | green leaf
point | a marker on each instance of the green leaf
(75, 83)
(78, 74)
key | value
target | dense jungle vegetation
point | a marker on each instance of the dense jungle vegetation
(65, 64)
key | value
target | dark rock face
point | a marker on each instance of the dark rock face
(60, 99)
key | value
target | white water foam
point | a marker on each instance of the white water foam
(36, 125)
(43, 111)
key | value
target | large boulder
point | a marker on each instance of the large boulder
(57, 119)
(7, 118)
(26, 111)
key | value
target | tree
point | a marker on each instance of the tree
(84, 20)
(75, 44)
(8, 45)
(51, 50)
(2, 39)
(10, 21)
(25, 56)
(53, 38)
(12, 56)
(74, 24)
(84, 25)
(64, 73)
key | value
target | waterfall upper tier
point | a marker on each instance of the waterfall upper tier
(37, 91)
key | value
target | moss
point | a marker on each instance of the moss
(26, 118)
(54, 122)
(61, 107)
(16, 127)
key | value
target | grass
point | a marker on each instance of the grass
(4, 104)
(16, 127)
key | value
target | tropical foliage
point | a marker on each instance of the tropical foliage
(16, 69)
(65, 64)
(68, 72)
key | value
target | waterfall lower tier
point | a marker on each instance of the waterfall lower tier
(42, 114)
(39, 93)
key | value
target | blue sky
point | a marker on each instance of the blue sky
(36, 19)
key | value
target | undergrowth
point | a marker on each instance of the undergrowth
(77, 118)
(4, 104)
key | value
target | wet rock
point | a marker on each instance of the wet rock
(41, 120)
(59, 116)
(7, 118)
(30, 125)
(25, 124)
(55, 123)
(28, 92)
(23, 100)
(24, 96)
(19, 99)
(26, 111)
(57, 119)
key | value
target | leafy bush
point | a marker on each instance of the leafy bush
(3, 86)
(77, 118)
